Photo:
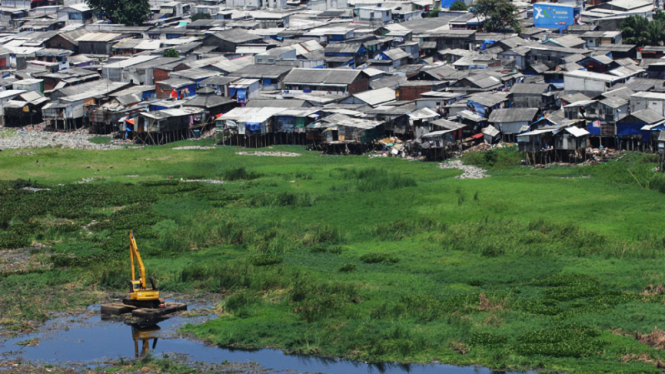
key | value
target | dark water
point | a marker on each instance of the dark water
(88, 339)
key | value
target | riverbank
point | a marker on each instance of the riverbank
(376, 259)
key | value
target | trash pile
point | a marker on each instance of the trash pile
(596, 155)
(270, 154)
(469, 171)
(28, 137)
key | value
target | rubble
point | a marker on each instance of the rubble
(190, 147)
(469, 171)
(37, 138)
(270, 154)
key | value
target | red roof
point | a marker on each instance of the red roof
(477, 136)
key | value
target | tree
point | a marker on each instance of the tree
(640, 31)
(498, 14)
(126, 12)
(199, 16)
(434, 13)
(458, 5)
(171, 53)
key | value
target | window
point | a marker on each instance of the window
(74, 16)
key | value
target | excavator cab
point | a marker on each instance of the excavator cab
(140, 295)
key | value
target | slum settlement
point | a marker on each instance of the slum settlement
(407, 78)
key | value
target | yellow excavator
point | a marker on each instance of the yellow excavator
(140, 295)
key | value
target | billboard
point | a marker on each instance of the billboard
(553, 16)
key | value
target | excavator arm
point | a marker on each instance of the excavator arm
(134, 251)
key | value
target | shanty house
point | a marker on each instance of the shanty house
(244, 89)
(538, 95)
(648, 100)
(589, 83)
(536, 141)
(390, 59)
(326, 80)
(5, 96)
(639, 125)
(74, 14)
(512, 121)
(219, 83)
(372, 97)
(175, 88)
(97, 43)
(571, 138)
(269, 75)
(167, 125)
(345, 54)
(229, 40)
(25, 109)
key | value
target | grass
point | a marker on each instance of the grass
(369, 259)
(100, 139)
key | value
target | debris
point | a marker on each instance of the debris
(469, 171)
(212, 181)
(273, 154)
(28, 137)
(190, 147)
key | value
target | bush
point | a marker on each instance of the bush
(376, 258)
(198, 16)
(501, 159)
(266, 260)
(239, 173)
(347, 268)
(458, 6)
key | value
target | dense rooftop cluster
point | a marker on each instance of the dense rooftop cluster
(338, 75)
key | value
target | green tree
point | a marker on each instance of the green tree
(640, 31)
(127, 12)
(458, 5)
(171, 53)
(433, 13)
(498, 14)
(199, 16)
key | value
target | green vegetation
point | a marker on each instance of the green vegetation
(100, 140)
(171, 53)
(127, 12)
(434, 13)
(198, 16)
(374, 259)
(458, 6)
(499, 15)
(642, 31)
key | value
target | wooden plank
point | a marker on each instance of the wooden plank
(150, 313)
(116, 308)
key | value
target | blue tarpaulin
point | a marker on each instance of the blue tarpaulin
(593, 129)
(629, 128)
(242, 94)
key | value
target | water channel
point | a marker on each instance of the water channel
(88, 339)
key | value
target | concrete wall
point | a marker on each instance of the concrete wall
(583, 85)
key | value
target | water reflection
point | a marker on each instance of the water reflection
(141, 334)
(89, 339)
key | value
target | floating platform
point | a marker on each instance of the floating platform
(143, 313)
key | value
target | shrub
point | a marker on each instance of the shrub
(266, 260)
(239, 173)
(347, 268)
(458, 6)
(376, 258)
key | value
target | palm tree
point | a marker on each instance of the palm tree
(634, 30)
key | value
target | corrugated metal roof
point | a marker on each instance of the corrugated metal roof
(376, 97)
(529, 89)
(647, 116)
(322, 76)
(98, 37)
(513, 115)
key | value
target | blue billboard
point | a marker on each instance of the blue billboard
(553, 16)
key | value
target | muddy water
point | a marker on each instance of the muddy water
(88, 339)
